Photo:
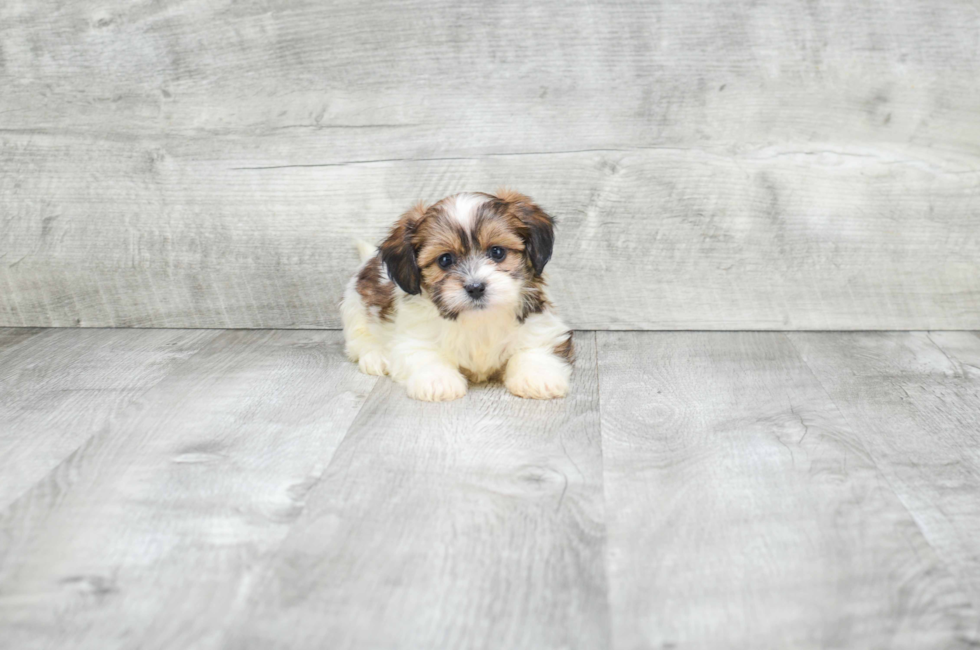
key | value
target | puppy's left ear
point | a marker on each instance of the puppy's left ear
(398, 251)
(539, 237)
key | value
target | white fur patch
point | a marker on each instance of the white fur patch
(503, 291)
(465, 208)
(535, 374)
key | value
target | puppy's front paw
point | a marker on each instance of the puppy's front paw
(373, 363)
(537, 383)
(436, 385)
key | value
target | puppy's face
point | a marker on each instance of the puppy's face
(471, 252)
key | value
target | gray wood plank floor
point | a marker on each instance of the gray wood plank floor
(744, 510)
(249, 489)
(916, 398)
(465, 525)
(145, 536)
(60, 387)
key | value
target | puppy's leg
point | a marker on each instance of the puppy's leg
(537, 374)
(373, 362)
(427, 375)
(541, 368)
(362, 343)
(436, 383)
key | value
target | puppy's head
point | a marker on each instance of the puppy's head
(471, 252)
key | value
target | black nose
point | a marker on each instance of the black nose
(475, 289)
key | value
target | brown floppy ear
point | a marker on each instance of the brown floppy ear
(398, 251)
(539, 238)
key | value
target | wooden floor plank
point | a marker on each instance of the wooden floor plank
(915, 399)
(147, 535)
(473, 524)
(10, 337)
(743, 511)
(59, 387)
(213, 507)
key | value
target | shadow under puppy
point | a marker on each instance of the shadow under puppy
(456, 291)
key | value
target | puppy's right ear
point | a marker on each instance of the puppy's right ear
(398, 251)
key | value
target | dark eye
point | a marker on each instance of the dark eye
(445, 260)
(497, 253)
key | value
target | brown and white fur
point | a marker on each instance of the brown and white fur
(415, 308)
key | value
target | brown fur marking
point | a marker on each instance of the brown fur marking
(510, 196)
(376, 290)
(398, 252)
(533, 300)
(566, 349)
(537, 228)
(498, 230)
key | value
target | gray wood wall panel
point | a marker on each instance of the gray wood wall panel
(149, 535)
(743, 509)
(915, 399)
(470, 524)
(773, 165)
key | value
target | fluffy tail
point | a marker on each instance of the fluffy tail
(365, 250)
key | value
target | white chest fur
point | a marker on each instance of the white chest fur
(479, 342)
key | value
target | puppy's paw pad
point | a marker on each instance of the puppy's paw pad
(373, 363)
(436, 386)
(537, 385)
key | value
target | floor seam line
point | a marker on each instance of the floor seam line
(605, 501)
(262, 566)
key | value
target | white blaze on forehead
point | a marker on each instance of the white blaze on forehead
(465, 208)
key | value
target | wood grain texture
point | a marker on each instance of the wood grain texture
(147, 536)
(744, 511)
(915, 398)
(730, 500)
(10, 337)
(472, 524)
(60, 387)
(765, 165)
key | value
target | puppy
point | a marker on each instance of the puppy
(456, 292)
